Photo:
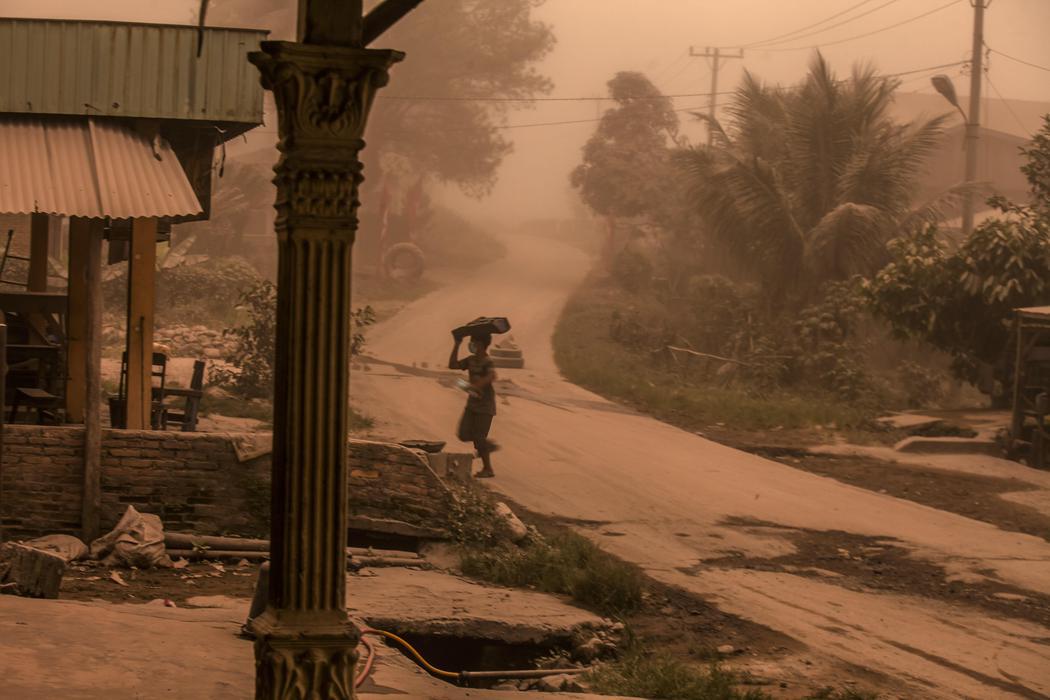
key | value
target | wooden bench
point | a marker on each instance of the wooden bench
(33, 398)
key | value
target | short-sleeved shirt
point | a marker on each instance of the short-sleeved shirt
(478, 367)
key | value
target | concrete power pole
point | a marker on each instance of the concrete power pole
(716, 55)
(973, 121)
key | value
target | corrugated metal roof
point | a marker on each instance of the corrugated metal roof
(82, 166)
(128, 70)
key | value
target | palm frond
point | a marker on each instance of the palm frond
(941, 206)
(849, 240)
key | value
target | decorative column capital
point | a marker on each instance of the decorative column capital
(323, 95)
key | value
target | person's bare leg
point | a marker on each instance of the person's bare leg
(485, 453)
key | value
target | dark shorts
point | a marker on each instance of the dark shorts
(474, 427)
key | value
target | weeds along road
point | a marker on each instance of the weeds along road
(670, 501)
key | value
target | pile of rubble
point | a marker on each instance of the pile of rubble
(181, 340)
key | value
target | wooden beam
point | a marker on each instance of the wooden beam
(92, 357)
(385, 16)
(331, 22)
(141, 290)
(39, 235)
(76, 319)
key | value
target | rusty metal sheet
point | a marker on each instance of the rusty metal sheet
(78, 166)
(120, 69)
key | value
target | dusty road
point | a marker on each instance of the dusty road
(685, 508)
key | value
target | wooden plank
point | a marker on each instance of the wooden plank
(39, 235)
(76, 321)
(141, 290)
(28, 302)
(92, 502)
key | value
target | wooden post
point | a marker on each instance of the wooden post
(141, 290)
(92, 372)
(76, 319)
(39, 235)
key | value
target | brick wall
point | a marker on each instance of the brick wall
(193, 481)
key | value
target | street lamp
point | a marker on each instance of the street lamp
(943, 85)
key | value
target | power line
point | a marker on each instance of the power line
(1018, 60)
(1006, 103)
(824, 29)
(606, 98)
(871, 33)
(808, 26)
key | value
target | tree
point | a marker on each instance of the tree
(807, 185)
(626, 163)
(457, 49)
(961, 302)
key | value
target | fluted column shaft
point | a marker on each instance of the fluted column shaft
(305, 648)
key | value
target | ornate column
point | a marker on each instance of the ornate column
(305, 648)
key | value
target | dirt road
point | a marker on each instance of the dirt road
(685, 508)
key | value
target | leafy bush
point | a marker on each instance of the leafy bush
(251, 372)
(828, 351)
(632, 270)
(197, 294)
(961, 302)
(922, 386)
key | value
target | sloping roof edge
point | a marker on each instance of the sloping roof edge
(90, 167)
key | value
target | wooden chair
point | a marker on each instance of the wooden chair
(187, 416)
(158, 375)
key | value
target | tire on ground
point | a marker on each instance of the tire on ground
(403, 262)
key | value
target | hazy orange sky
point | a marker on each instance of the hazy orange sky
(596, 38)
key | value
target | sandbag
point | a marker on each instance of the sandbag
(67, 547)
(137, 540)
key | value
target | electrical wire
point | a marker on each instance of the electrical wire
(1006, 103)
(808, 26)
(871, 33)
(673, 96)
(1018, 60)
(824, 29)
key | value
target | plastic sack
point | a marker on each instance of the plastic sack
(137, 540)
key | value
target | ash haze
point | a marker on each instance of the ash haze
(597, 38)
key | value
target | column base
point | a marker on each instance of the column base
(297, 664)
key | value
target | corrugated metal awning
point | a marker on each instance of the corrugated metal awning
(90, 167)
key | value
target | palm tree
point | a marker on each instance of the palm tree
(808, 184)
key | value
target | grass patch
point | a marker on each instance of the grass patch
(644, 674)
(560, 562)
(566, 563)
(648, 675)
(587, 356)
(359, 421)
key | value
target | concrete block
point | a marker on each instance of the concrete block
(459, 466)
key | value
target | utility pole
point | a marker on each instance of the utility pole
(716, 55)
(973, 121)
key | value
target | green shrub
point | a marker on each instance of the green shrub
(251, 374)
(193, 295)
(632, 270)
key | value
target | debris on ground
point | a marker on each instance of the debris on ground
(30, 572)
(137, 541)
(517, 529)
